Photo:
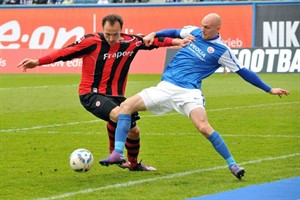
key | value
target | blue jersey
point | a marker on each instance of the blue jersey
(198, 60)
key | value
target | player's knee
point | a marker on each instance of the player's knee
(125, 108)
(204, 128)
(113, 115)
(131, 105)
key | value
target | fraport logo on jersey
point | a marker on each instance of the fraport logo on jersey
(210, 50)
(117, 55)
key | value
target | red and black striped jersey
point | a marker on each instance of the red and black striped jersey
(104, 67)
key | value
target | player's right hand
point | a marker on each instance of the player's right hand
(28, 64)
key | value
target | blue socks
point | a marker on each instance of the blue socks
(124, 124)
(221, 147)
(123, 127)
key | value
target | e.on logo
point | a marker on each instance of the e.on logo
(42, 37)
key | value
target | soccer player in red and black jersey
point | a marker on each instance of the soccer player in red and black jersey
(106, 58)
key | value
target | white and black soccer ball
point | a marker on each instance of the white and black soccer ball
(81, 160)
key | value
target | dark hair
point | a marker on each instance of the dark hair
(112, 19)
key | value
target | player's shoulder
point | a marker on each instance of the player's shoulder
(190, 28)
(219, 41)
(186, 30)
(92, 36)
(85, 38)
(131, 38)
(96, 34)
(132, 35)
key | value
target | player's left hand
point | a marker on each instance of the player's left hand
(187, 40)
(149, 39)
(279, 92)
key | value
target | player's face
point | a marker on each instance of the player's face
(209, 29)
(112, 33)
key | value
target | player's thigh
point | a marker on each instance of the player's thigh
(185, 100)
(191, 103)
(156, 100)
(99, 105)
(132, 104)
(198, 115)
(199, 118)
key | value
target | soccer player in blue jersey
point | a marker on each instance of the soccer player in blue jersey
(180, 88)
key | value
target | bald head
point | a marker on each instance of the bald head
(211, 25)
(213, 18)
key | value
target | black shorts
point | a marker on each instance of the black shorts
(101, 105)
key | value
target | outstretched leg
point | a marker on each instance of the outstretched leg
(221, 147)
(199, 118)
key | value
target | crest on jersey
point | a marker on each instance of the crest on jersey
(98, 103)
(210, 50)
(138, 43)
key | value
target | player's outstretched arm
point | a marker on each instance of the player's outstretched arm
(279, 92)
(28, 63)
(183, 42)
(254, 79)
(171, 33)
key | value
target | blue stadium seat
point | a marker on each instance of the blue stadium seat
(79, 1)
(91, 1)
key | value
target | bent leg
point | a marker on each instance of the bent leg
(199, 118)
(129, 106)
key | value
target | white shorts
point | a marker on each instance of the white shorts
(166, 97)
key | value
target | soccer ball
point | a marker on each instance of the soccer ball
(81, 160)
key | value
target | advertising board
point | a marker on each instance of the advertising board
(35, 31)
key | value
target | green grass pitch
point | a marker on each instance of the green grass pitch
(42, 122)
